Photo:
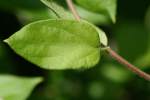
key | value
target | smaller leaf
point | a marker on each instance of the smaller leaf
(59, 11)
(16, 88)
(96, 18)
(103, 37)
(107, 7)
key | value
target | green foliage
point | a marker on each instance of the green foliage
(16, 88)
(96, 18)
(102, 36)
(59, 11)
(106, 7)
(58, 44)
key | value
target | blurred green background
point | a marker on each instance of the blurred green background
(129, 36)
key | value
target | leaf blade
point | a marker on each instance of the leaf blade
(60, 44)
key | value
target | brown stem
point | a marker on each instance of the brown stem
(73, 10)
(127, 64)
(110, 51)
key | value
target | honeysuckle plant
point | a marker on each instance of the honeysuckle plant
(68, 40)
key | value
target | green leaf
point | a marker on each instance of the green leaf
(59, 11)
(103, 37)
(107, 7)
(96, 18)
(93, 17)
(58, 44)
(16, 88)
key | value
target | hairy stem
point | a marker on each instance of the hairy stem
(112, 53)
(73, 10)
(128, 65)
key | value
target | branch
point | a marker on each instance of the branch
(128, 65)
(112, 53)
(73, 10)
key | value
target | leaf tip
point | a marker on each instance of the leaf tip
(5, 41)
(114, 20)
(40, 79)
(102, 36)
